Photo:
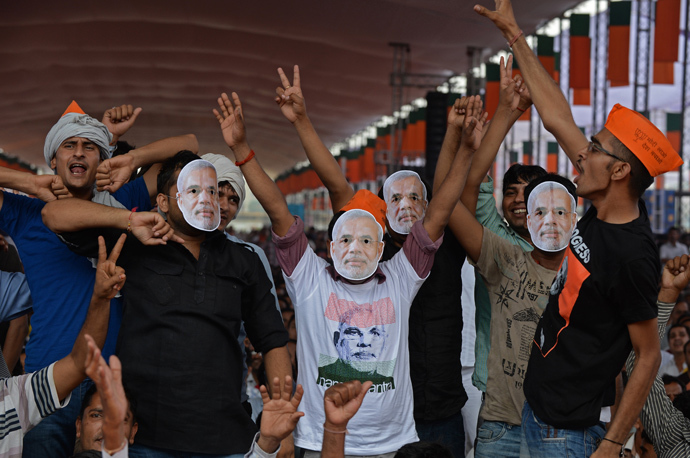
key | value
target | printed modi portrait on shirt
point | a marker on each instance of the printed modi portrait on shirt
(364, 343)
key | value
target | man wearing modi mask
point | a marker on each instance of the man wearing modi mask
(606, 304)
(197, 195)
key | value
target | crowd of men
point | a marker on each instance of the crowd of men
(379, 341)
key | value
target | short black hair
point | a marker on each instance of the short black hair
(87, 399)
(166, 175)
(519, 172)
(682, 403)
(423, 450)
(676, 325)
(331, 224)
(640, 179)
(555, 178)
(668, 379)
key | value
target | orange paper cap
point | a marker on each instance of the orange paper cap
(644, 139)
(370, 202)
(73, 108)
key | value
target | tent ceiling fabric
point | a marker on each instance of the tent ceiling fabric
(174, 58)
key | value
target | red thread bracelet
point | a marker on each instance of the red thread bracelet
(515, 38)
(129, 220)
(520, 109)
(246, 159)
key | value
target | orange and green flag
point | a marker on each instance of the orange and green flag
(580, 58)
(552, 157)
(493, 85)
(618, 72)
(666, 32)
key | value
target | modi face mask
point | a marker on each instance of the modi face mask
(406, 201)
(197, 195)
(551, 216)
(357, 245)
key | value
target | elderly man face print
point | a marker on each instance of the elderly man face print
(197, 195)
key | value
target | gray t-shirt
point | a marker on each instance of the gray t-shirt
(519, 291)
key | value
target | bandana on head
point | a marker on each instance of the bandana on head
(75, 123)
(399, 227)
(197, 195)
(341, 264)
(550, 235)
(644, 139)
(370, 202)
(228, 171)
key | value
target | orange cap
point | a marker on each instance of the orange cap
(370, 202)
(644, 139)
(73, 108)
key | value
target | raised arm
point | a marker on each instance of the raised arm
(119, 120)
(445, 200)
(45, 187)
(514, 99)
(71, 215)
(114, 172)
(340, 402)
(291, 102)
(70, 370)
(231, 121)
(280, 415)
(451, 141)
(546, 94)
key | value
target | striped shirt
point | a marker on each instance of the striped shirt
(25, 400)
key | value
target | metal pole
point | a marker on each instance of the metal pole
(682, 113)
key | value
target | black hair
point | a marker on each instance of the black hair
(668, 379)
(682, 403)
(640, 179)
(519, 172)
(677, 325)
(555, 178)
(87, 400)
(424, 450)
(166, 175)
(331, 224)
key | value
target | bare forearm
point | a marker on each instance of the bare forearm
(444, 201)
(325, 165)
(277, 363)
(69, 215)
(633, 398)
(549, 100)
(163, 149)
(70, 370)
(14, 340)
(333, 445)
(265, 190)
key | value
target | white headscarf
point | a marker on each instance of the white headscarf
(228, 171)
(77, 125)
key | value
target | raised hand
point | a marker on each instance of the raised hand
(280, 415)
(525, 97)
(50, 187)
(507, 95)
(109, 276)
(503, 17)
(676, 274)
(113, 173)
(342, 401)
(120, 119)
(289, 96)
(231, 120)
(475, 120)
(108, 381)
(456, 115)
(151, 229)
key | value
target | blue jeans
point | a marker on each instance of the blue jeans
(449, 432)
(543, 441)
(55, 435)
(498, 439)
(142, 451)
